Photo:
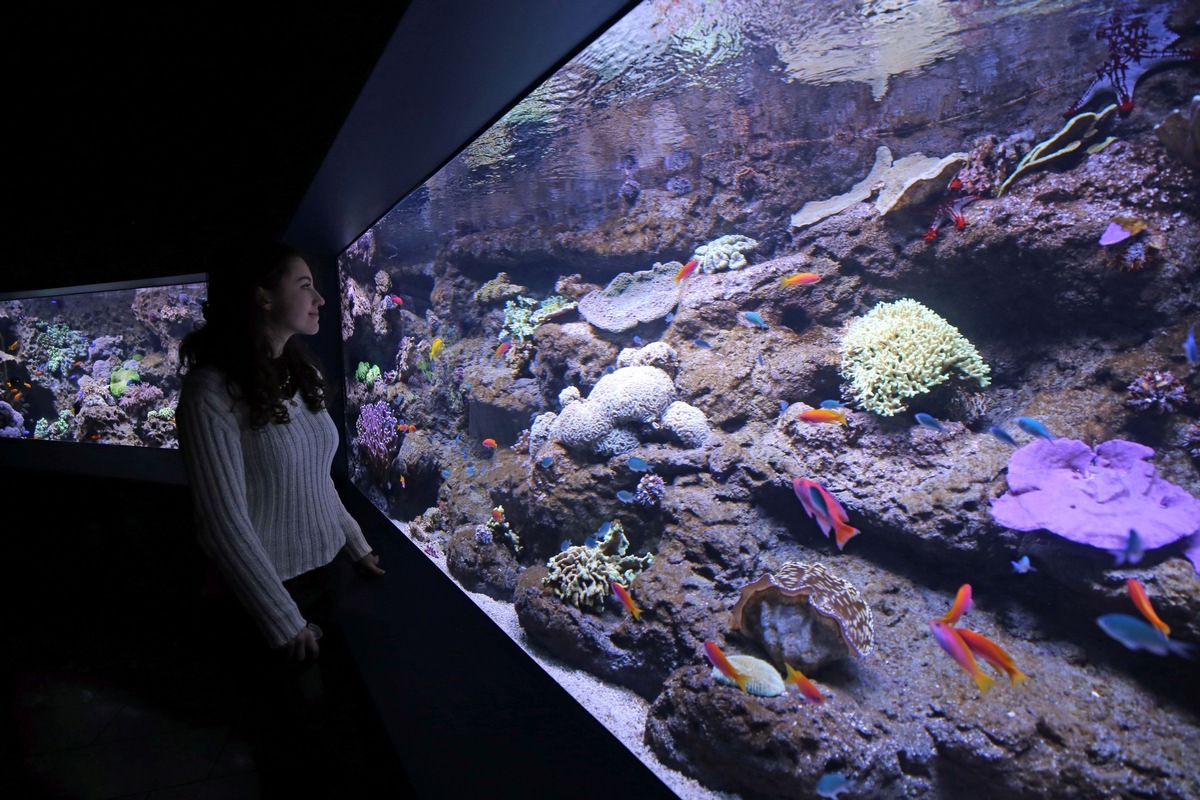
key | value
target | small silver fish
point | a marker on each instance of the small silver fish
(1133, 552)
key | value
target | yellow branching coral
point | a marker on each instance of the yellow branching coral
(900, 350)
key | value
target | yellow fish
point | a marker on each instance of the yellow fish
(436, 348)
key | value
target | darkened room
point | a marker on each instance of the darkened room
(151, 143)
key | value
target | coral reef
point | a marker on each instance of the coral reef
(1069, 139)
(650, 491)
(630, 299)
(1180, 133)
(631, 396)
(1094, 496)
(376, 428)
(814, 211)
(915, 179)
(581, 575)
(1160, 392)
(900, 350)
(727, 252)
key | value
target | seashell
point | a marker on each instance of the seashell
(803, 614)
(765, 680)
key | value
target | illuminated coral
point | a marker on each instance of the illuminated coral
(1156, 391)
(726, 252)
(581, 575)
(900, 350)
(376, 427)
(650, 491)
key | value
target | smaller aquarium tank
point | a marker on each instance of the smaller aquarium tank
(96, 364)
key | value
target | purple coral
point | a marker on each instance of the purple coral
(1094, 496)
(376, 428)
(1156, 391)
(650, 491)
(483, 534)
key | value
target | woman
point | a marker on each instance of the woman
(258, 444)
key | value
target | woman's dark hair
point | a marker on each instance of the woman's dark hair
(232, 338)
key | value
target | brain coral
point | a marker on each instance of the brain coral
(629, 396)
(686, 423)
(900, 350)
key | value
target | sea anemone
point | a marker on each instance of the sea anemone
(1191, 439)
(650, 491)
(1156, 391)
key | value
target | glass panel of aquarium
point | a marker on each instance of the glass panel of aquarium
(818, 379)
(96, 364)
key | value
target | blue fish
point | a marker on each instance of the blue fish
(637, 464)
(1022, 565)
(783, 406)
(466, 387)
(565, 544)
(547, 461)
(753, 317)
(831, 404)
(1034, 428)
(445, 473)
(470, 470)
(1133, 552)
(609, 370)
(637, 340)
(1189, 347)
(928, 421)
(1002, 435)
(670, 316)
(702, 343)
(1138, 635)
(625, 496)
(759, 360)
(590, 542)
(602, 531)
(833, 784)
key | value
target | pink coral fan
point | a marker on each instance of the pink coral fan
(1156, 391)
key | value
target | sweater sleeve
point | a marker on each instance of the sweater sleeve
(210, 442)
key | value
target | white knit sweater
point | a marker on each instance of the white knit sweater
(266, 504)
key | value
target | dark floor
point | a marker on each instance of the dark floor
(119, 679)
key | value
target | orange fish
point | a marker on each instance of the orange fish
(395, 298)
(686, 269)
(816, 415)
(403, 484)
(990, 652)
(953, 644)
(13, 347)
(497, 515)
(627, 600)
(962, 604)
(412, 428)
(807, 690)
(503, 348)
(801, 279)
(1142, 601)
(490, 444)
(718, 659)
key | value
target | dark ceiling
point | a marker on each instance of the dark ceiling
(141, 144)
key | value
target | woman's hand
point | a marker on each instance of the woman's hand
(302, 646)
(369, 565)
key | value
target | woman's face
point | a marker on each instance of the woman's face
(292, 305)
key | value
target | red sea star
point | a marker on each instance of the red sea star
(1135, 46)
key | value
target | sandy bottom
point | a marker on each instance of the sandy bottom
(621, 711)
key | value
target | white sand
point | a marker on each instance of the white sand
(620, 710)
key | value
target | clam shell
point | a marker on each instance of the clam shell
(825, 592)
(765, 680)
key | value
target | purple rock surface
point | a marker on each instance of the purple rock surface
(1094, 496)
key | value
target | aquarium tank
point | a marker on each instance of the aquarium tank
(816, 384)
(96, 364)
